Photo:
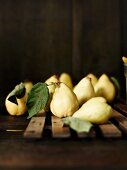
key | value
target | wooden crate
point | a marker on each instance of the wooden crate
(52, 127)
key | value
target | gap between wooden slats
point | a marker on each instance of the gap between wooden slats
(91, 134)
(35, 127)
(58, 130)
(121, 120)
(109, 130)
(121, 107)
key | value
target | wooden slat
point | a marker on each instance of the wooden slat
(121, 107)
(110, 131)
(58, 130)
(35, 127)
(121, 120)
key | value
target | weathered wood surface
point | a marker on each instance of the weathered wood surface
(35, 127)
(75, 152)
(58, 131)
(116, 127)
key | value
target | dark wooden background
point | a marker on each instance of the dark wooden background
(39, 38)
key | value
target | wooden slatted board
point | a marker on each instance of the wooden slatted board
(116, 127)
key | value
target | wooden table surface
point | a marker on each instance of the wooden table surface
(17, 152)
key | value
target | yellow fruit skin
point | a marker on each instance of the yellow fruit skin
(93, 78)
(99, 99)
(19, 108)
(50, 82)
(124, 59)
(14, 109)
(66, 79)
(84, 90)
(105, 88)
(94, 111)
(28, 85)
(64, 102)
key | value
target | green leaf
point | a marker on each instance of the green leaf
(18, 92)
(37, 98)
(116, 84)
(77, 124)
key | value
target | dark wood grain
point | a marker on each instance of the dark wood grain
(96, 29)
(58, 130)
(35, 41)
(35, 127)
(121, 120)
(91, 154)
(110, 131)
(17, 152)
(41, 38)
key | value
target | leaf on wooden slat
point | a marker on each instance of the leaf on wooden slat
(58, 130)
(109, 130)
(77, 124)
(35, 127)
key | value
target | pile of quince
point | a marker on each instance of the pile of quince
(88, 100)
